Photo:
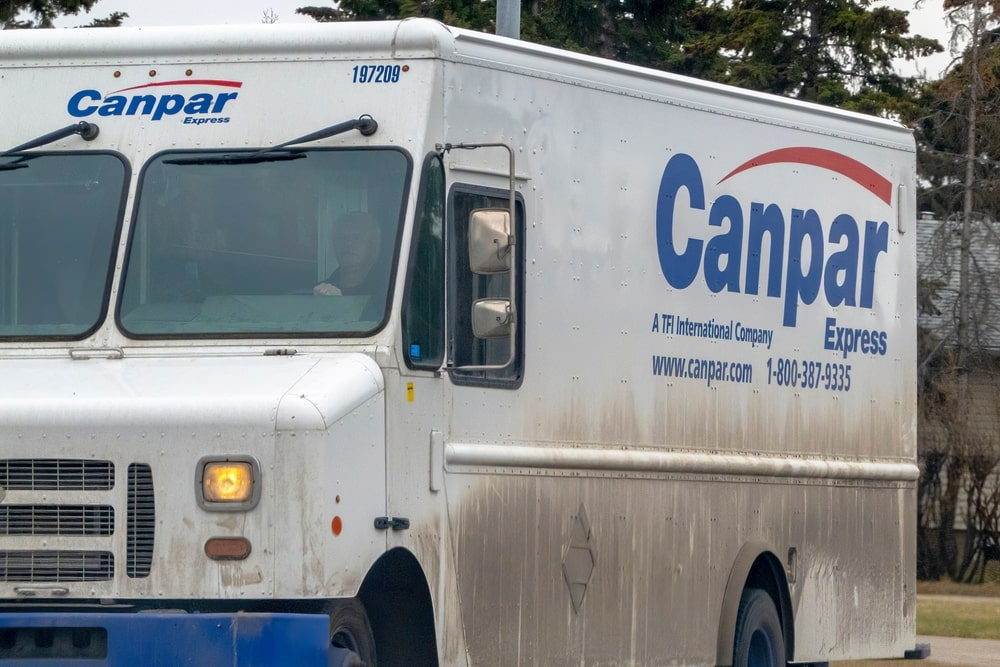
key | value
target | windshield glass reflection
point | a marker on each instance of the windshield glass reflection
(297, 247)
(59, 218)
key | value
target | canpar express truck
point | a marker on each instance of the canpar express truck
(631, 381)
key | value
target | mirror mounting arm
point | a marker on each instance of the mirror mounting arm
(511, 249)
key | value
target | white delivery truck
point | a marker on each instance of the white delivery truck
(397, 344)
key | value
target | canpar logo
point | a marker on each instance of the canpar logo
(842, 265)
(198, 108)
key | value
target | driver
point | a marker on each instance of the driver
(357, 241)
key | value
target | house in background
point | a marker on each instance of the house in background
(959, 439)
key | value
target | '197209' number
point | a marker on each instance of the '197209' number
(376, 73)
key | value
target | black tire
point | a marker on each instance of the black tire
(350, 629)
(758, 641)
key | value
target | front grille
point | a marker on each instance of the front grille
(141, 520)
(85, 529)
(56, 475)
(51, 566)
(72, 520)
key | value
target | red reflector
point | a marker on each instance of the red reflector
(227, 548)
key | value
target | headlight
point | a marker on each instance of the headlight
(227, 484)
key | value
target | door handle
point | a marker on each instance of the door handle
(395, 522)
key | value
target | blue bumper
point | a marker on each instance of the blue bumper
(163, 639)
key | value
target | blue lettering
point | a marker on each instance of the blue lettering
(221, 100)
(113, 106)
(831, 325)
(876, 242)
(805, 225)
(804, 264)
(727, 246)
(74, 106)
(768, 221)
(87, 102)
(847, 340)
(680, 269)
(199, 103)
(168, 105)
(141, 104)
(844, 263)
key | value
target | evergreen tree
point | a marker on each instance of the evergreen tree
(43, 13)
(475, 16)
(835, 52)
(651, 33)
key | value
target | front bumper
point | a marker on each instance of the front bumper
(166, 639)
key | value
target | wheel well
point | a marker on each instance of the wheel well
(768, 574)
(755, 567)
(398, 603)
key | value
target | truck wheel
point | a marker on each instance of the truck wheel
(758, 641)
(351, 641)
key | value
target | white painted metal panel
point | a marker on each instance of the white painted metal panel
(675, 397)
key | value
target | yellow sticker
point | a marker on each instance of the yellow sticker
(409, 392)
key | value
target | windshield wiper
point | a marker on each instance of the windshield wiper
(238, 158)
(87, 131)
(20, 163)
(365, 124)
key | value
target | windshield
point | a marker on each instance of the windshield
(59, 217)
(265, 247)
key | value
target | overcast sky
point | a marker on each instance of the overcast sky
(928, 20)
(197, 12)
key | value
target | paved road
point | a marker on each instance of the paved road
(960, 652)
(945, 652)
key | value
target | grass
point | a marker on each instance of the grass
(950, 617)
(947, 609)
(990, 589)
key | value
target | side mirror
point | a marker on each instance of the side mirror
(489, 241)
(491, 318)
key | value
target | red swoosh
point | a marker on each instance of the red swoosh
(185, 82)
(861, 174)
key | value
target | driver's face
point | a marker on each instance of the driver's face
(356, 244)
